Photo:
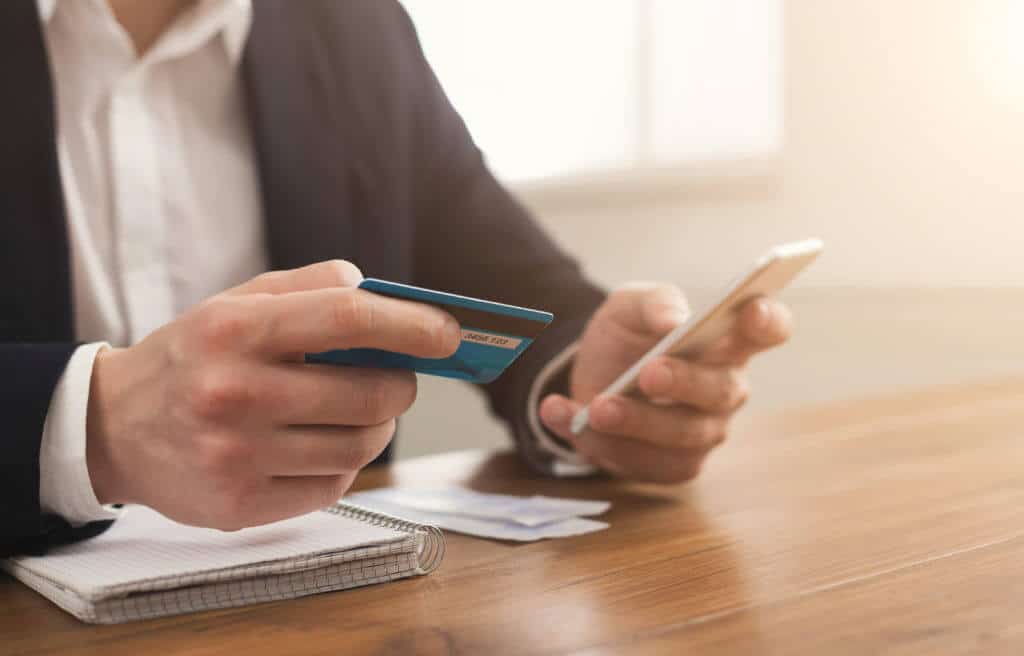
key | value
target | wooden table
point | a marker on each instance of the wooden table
(893, 525)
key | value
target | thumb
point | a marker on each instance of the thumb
(330, 273)
(649, 308)
(556, 413)
(664, 310)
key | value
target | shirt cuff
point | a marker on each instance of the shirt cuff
(566, 462)
(64, 485)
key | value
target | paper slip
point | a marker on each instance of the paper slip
(527, 511)
(472, 518)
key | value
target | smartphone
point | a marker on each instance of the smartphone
(768, 276)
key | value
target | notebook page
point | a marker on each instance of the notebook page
(142, 545)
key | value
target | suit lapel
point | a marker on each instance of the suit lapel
(305, 175)
(35, 298)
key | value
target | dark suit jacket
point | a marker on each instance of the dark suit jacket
(360, 157)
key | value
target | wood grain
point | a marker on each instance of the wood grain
(891, 524)
(965, 603)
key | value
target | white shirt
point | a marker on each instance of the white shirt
(162, 198)
(161, 191)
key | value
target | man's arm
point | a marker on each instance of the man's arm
(30, 373)
(471, 236)
(474, 238)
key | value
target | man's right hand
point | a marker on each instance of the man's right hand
(215, 419)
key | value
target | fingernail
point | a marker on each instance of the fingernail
(608, 414)
(660, 378)
(452, 332)
(677, 314)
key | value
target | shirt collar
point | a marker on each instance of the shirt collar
(46, 9)
(237, 17)
(237, 26)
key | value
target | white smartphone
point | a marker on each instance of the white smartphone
(769, 276)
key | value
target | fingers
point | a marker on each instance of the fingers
(296, 451)
(638, 460)
(556, 412)
(286, 393)
(638, 440)
(308, 493)
(258, 477)
(290, 324)
(765, 323)
(323, 450)
(671, 427)
(649, 308)
(717, 390)
(635, 421)
(762, 324)
(274, 499)
(346, 396)
(332, 273)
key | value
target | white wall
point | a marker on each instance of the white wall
(904, 151)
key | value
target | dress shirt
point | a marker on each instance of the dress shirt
(161, 191)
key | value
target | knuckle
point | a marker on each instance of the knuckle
(688, 379)
(370, 401)
(675, 471)
(724, 391)
(220, 456)
(374, 443)
(221, 323)
(401, 392)
(342, 273)
(625, 290)
(625, 295)
(354, 316)
(684, 473)
(333, 488)
(364, 446)
(434, 332)
(741, 392)
(667, 292)
(271, 279)
(711, 433)
(424, 330)
(385, 395)
(217, 393)
(704, 435)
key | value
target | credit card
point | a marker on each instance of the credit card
(493, 336)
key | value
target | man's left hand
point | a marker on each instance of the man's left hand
(683, 406)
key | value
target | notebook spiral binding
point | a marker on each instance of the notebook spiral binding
(431, 547)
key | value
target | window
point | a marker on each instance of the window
(556, 89)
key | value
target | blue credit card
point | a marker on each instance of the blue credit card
(493, 336)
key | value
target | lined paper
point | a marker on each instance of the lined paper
(145, 551)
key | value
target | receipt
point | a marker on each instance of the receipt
(498, 516)
(527, 511)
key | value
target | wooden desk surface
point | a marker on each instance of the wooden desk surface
(892, 525)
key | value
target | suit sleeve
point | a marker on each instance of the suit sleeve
(29, 374)
(473, 237)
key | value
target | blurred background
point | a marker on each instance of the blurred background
(678, 139)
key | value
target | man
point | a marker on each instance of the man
(156, 154)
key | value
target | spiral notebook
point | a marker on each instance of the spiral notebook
(146, 565)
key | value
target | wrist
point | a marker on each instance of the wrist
(101, 452)
(554, 378)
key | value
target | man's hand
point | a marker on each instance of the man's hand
(215, 420)
(684, 406)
